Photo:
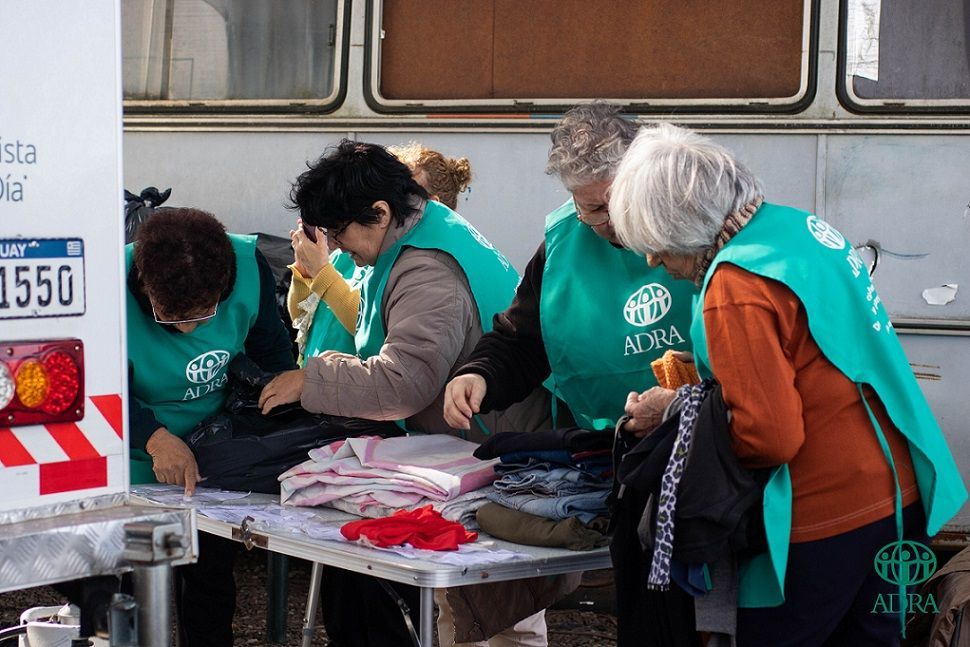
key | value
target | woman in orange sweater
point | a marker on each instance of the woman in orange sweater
(816, 381)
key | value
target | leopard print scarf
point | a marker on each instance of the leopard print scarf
(692, 396)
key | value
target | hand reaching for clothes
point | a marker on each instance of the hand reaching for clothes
(463, 399)
(282, 389)
(172, 460)
(646, 410)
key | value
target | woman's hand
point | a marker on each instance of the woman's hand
(172, 460)
(646, 410)
(285, 387)
(309, 257)
(463, 399)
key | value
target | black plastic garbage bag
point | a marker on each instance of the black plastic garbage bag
(138, 208)
(241, 449)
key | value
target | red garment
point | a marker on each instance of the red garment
(422, 528)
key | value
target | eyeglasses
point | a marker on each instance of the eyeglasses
(168, 322)
(596, 218)
(334, 234)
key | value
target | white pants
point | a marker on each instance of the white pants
(528, 632)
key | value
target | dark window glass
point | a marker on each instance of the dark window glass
(914, 51)
(228, 49)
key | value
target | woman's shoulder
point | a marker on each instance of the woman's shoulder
(732, 286)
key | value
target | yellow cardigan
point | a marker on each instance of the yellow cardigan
(332, 290)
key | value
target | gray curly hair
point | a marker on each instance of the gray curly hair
(588, 144)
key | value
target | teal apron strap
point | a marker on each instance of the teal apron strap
(884, 444)
(481, 425)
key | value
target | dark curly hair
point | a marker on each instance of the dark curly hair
(184, 260)
(342, 186)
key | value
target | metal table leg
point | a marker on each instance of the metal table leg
(312, 604)
(427, 616)
(153, 586)
(277, 569)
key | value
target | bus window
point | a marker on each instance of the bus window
(477, 53)
(230, 52)
(905, 56)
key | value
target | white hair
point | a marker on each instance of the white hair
(673, 190)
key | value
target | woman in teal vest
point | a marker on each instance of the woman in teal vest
(434, 283)
(819, 389)
(320, 276)
(587, 319)
(196, 298)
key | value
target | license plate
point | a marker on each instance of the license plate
(41, 278)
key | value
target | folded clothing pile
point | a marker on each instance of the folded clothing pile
(422, 528)
(555, 484)
(375, 477)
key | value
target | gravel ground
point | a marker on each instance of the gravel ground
(568, 627)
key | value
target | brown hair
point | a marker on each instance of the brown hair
(184, 259)
(444, 177)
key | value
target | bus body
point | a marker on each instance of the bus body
(856, 110)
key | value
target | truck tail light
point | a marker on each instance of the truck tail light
(41, 382)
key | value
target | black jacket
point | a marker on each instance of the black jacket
(717, 509)
(717, 512)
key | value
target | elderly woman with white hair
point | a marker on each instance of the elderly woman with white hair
(789, 324)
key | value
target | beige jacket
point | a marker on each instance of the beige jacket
(432, 326)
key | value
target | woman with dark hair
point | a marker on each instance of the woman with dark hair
(433, 285)
(324, 295)
(197, 297)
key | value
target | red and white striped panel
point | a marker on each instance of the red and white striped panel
(68, 456)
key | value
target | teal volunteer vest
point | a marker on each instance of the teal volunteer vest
(182, 377)
(326, 332)
(852, 328)
(605, 315)
(491, 277)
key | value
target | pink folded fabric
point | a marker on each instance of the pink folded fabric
(386, 473)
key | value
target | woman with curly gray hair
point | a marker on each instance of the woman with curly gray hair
(581, 282)
(818, 385)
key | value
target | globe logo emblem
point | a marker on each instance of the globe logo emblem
(825, 233)
(648, 305)
(905, 563)
(206, 366)
(477, 235)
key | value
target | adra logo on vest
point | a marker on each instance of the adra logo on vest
(825, 233)
(204, 371)
(648, 305)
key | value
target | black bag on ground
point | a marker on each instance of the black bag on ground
(241, 449)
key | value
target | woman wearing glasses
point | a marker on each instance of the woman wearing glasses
(324, 295)
(588, 318)
(581, 282)
(197, 297)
